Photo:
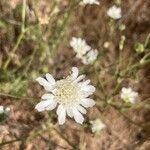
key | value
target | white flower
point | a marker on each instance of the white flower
(7, 110)
(1, 109)
(114, 12)
(90, 57)
(71, 94)
(83, 50)
(97, 125)
(128, 95)
(80, 46)
(84, 2)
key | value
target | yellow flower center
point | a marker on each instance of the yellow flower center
(66, 92)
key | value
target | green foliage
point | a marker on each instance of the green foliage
(2, 24)
(2, 117)
(36, 44)
(15, 87)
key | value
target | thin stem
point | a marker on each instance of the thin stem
(130, 120)
(100, 84)
(16, 97)
(59, 34)
(9, 142)
(30, 62)
(145, 57)
(147, 40)
(13, 51)
(119, 110)
(70, 143)
(23, 16)
(141, 63)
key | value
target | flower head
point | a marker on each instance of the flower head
(70, 94)
(1, 109)
(114, 12)
(97, 125)
(128, 95)
(7, 110)
(84, 2)
(80, 46)
(83, 50)
(90, 57)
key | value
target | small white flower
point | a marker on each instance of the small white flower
(83, 50)
(7, 110)
(71, 94)
(97, 125)
(80, 46)
(114, 12)
(90, 57)
(1, 109)
(84, 2)
(128, 95)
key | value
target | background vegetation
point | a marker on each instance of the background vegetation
(34, 40)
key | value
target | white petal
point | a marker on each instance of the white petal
(41, 106)
(84, 83)
(87, 102)
(123, 89)
(61, 112)
(1, 109)
(52, 106)
(81, 77)
(43, 82)
(77, 116)
(75, 72)
(47, 86)
(73, 40)
(89, 88)
(47, 96)
(135, 94)
(81, 109)
(50, 78)
(86, 94)
(69, 112)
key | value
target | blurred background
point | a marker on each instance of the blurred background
(34, 40)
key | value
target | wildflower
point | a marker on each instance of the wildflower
(128, 95)
(114, 12)
(4, 113)
(97, 125)
(7, 110)
(83, 50)
(4, 110)
(90, 57)
(1, 109)
(90, 2)
(106, 44)
(71, 94)
(80, 46)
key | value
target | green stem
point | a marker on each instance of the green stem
(23, 15)
(16, 97)
(126, 117)
(9, 142)
(100, 84)
(60, 31)
(144, 58)
(65, 138)
(147, 40)
(30, 62)
(13, 51)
